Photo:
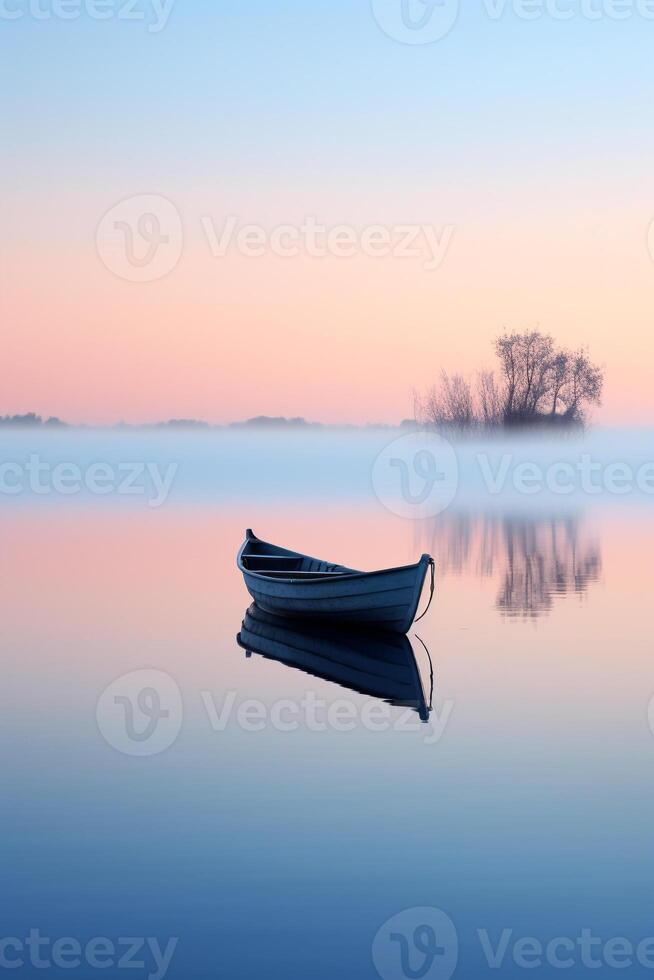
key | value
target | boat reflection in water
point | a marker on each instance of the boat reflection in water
(377, 663)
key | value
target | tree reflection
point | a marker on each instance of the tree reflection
(534, 559)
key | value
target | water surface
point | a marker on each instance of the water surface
(275, 849)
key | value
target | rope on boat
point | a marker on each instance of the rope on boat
(431, 590)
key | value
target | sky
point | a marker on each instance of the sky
(160, 171)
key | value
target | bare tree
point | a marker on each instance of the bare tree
(426, 408)
(538, 356)
(449, 405)
(526, 360)
(506, 348)
(457, 396)
(490, 400)
(559, 378)
(537, 383)
(538, 378)
(584, 386)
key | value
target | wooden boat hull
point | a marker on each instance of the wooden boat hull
(288, 583)
(375, 663)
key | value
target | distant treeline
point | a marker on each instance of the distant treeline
(537, 384)
(31, 419)
(259, 422)
(263, 421)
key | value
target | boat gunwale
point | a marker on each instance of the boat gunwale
(344, 576)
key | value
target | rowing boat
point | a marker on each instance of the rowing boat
(289, 583)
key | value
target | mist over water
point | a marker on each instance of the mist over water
(522, 472)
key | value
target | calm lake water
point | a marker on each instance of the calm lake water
(274, 822)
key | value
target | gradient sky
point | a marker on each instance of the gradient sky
(531, 138)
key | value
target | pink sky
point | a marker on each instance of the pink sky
(331, 339)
